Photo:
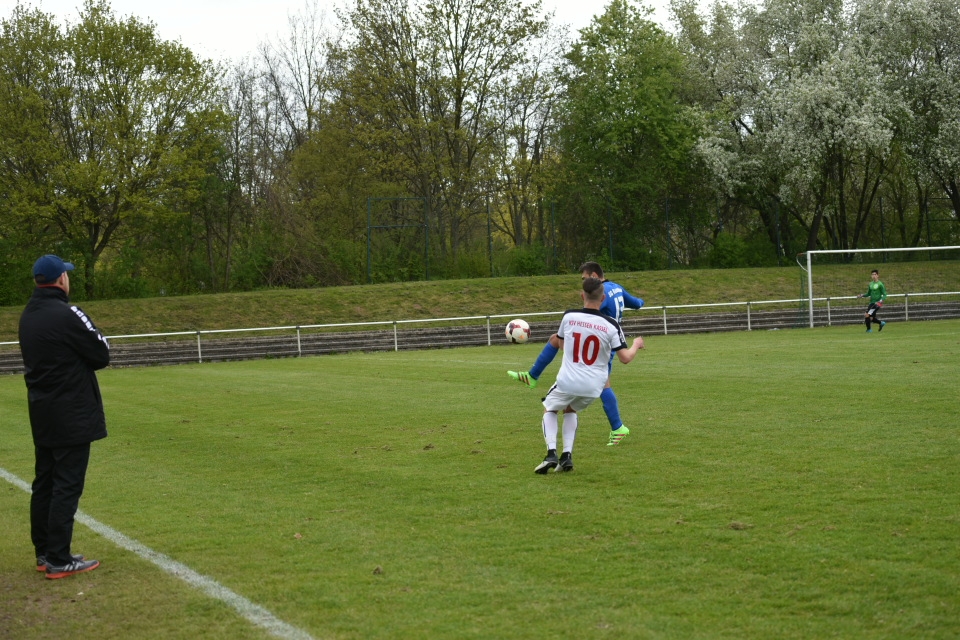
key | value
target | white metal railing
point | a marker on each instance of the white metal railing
(662, 309)
(905, 296)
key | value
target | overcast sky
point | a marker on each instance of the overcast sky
(233, 28)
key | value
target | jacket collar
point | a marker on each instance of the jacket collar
(50, 292)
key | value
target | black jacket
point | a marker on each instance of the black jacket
(61, 350)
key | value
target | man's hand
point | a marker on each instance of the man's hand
(626, 355)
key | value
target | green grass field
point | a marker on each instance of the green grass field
(780, 484)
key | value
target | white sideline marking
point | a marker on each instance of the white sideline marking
(249, 610)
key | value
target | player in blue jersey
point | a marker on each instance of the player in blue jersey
(616, 299)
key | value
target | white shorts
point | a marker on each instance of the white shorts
(558, 401)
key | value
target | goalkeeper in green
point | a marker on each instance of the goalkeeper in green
(877, 294)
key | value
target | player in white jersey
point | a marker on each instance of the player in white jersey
(587, 337)
(615, 301)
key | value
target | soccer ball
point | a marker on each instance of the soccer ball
(517, 331)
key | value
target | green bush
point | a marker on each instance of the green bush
(16, 266)
(473, 262)
(729, 252)
(734, 252)
(531, 260)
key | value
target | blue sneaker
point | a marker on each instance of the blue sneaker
(882, 325)
(869, 330)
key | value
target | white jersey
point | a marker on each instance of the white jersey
(589, 340)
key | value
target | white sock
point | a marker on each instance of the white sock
(570, 422)
(550, 429)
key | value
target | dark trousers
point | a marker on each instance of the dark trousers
(57, 487)
(871, 314)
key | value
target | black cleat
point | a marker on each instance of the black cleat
(549, 462)
(566, 462)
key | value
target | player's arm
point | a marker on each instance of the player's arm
(627, 355)
(883, 293)
(556, 341)
(631, 302)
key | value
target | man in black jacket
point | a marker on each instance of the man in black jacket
(61, 349)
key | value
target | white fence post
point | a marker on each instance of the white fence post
(749, 327)
(810, 286)
(199, 353)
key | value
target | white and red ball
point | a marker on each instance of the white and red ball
(517, 331)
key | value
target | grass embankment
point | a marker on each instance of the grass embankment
(412, 300)
(487, 296)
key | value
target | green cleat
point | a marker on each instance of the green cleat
(523, 378)
(617, 435)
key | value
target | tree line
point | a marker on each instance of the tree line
(463, 138)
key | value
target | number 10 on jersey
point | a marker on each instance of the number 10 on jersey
(585, 351)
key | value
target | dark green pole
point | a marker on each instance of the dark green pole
(368, 240)
(489, 238)
(553, 233)
(776, 213)
(666, 213)
(610, 231)
(883, 238)
(426, 235)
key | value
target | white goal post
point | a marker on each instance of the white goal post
(810, 254)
